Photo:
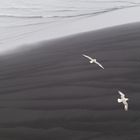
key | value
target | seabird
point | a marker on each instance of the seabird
(123, 100)
(93, 61)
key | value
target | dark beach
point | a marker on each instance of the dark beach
(51, 92)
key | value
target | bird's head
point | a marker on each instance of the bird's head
(91, 61)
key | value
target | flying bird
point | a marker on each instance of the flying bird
(93, 61)
(123, 100)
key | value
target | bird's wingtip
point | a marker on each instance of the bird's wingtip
(119, 92)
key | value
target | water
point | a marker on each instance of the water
(24, 21)
(58, 8)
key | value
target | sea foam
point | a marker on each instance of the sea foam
(18, 30)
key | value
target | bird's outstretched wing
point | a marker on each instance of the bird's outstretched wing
(100, 65)
(126, 106)
(88, 57)
(122, 95)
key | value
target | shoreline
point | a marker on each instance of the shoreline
(19, 37)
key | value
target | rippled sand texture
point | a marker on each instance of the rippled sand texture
(51, 92)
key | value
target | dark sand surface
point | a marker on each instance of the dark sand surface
(51, 92)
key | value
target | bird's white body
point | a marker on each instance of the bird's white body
(93, 61)
(123, 100)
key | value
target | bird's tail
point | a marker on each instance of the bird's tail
(126, 107)
(119, 100)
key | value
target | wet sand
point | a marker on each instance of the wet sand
(51, 92)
